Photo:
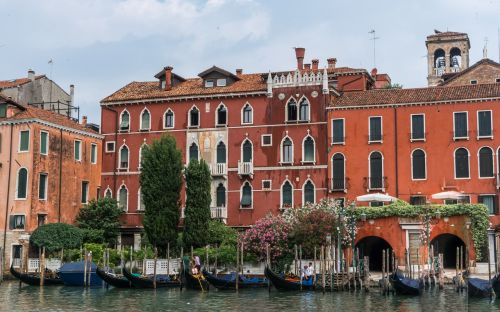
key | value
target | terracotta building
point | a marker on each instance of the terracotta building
(50, 166)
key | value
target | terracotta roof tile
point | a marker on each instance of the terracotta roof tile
(4, 84)
(453, 76)
(446, 33)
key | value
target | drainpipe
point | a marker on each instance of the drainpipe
(396, 149)
(116, 145)
(60, 176)
(8, 196)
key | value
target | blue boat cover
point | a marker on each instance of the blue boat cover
(480, 283)
(76, 267)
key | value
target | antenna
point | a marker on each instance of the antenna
(485, 48)
(499, 44)
(51, 63)
(374, 37)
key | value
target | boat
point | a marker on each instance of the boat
(114, 280)
(477, 287)
(228, 281)
(282, 283)
(405, 286)
(194, 281)
(495, 283)
(34, 279)
(162, 281)
(72, 274)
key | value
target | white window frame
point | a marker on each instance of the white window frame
(343, 129)
(488, 194)
(129, 121)
(29, 143)
(188, 155)
(493, 156)
(411, 128)
(262, 139)
(304, 161)
(106, 146)
(241, 149)
(46, 185)
(491, 122)
(345, 169)
(118, 196)
(267, 188)
(282, 162)
(455, 164)
(17, 184)
(241, 194)
(93, 153)
(455, 138)
(217, 124)
(140, 155)
(165, 119)
(141, 128)
(47, 144)
(370, 141)
(281, 194)
(139, 196)
(119, 165)
(304, 191)
(425, 167)
(208, 82)
(18, 230)
(286, 110)
(79, 152)
(370, 170)
(308, 110)
(110, 192)
(221, 82)
(242, 114)
(189, 117)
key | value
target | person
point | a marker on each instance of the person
(304, 272)
(309, 271)
(197, 264)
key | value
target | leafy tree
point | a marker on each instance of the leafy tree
(161, 181)
(223, 240)
(100, 221)
(198, 198)
(56, 236)
(393, 86)
(312, 229)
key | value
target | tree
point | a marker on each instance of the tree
(312, 229)
(198, 199)
(100, 221)
(161, 182)
(393, 86)
(56, 236)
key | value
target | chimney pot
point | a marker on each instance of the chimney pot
(239, 72)
(315, 63)
(84, 121)
(72, 94)
(168, 78)
(332, 62)
(374, 72)
(307, 66)
(299, 54)
(31, 74)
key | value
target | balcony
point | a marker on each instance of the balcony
(219, 213)
(375, 183)
(218, 169)
(339, 184)
(245, 168)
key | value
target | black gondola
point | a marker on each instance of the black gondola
(114, 280)
(34, 279)
(196, 282)
(282, 283)
(405, 286)
(477, 287)
(495, 283)
(228, 282)
(147, 282)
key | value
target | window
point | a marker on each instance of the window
(41, 218)
(375, 129)
(287, 151)
(194, 120)
(123, 198)
(221, 153)
(3, 110)
(418, 127)
(418, 167)
(110, 147)
(304, 110)
(490, 201)
(169, 119)
(108, 193)
(124, 153)
(418, 200)
(308, 149)
(497, 80)
(44, 142)
(220, 195)
(338, 174)
(461, 127)
(145, 120)
(247, 151)
(266, 185)
(85, 192)
(267, 140)
(286, 195)
(221, 115)
(246, 195)
(484, 124)
(17, 222)
(24, 141)
(376, 171)
(291, 110)
(193, 151)
(141, 152)
(338, 131)
(93, 153)
(221, 82)
(42, 186)
(209, 83)
(473, 82)
(22, 184)
(125, 121)
(461, 163)
(247, 114)
(485, 156)
(376, 204)
(309, 192)
(140, 206)
(78, 150)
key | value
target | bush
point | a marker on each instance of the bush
(100, 220)
(56, 236)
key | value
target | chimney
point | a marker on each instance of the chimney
(299, 54)
(374, 72)
(168, 78)
(84, 121)
(72, 95)
(31, 74)
(331, 62)
(239, 72)
(315, 63)
(307, 66)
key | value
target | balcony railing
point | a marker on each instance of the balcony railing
(219, 169)
(245, 168)
(219, 213)
(339, 184)
(439, 71)
(375, 183)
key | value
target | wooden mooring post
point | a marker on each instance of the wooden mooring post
(366, 273)
(154, 268)
(85, 267)
(383, 273)
(322, 268)
(441, 271)
(42, 267)
(268, 265)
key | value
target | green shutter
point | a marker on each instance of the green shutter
(93, 153)
(3, 110)
(24, 143)
(77, 150)
(44, 142)
(22, 183)
(42, 186)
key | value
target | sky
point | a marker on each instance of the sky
(101, 45)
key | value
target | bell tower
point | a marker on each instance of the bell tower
(447, 53)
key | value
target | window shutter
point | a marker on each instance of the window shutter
(221, 153)
(495, 204)
(247, 152)
(11, 223)
(43, 142)
(24, 144)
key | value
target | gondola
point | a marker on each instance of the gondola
(282, 283)
(477, 287)
(162, 281)
(405, 286)
(194, 281)
(495, 283)
(228, 282)
(114, 280)
(34, 279)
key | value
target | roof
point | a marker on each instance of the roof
(484, 61)
(162, 74)
(417, 95)
(439, 34)
(5, 99)
(4, 84)
(219, 70)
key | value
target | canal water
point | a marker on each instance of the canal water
(59, 298)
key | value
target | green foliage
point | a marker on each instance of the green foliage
(219, 233)
(223, 240)
(161, 181)
(97, 251)
(393, 86)
(100, 221)
(56, 236)
(198, 198)
(311, 230)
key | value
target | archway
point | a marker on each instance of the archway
(447, 245)
(372, 247)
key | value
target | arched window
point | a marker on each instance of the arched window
(169, 119)
(145, 120)
(140, 201)
(108, 193)
(193, 151)
(287, 150)
(141, 153)
(418, 165)
(309, 193)
(221, 153)
(376, 171)
(338, 174)
(123, 198)
(439, 60)
(485, 163)
(455, 58)
(247, 114)
(291, 110)
(22, 184)
(246, 195)
(221, 115)
(124, 157)
(125, 121)
(286, 195)
(247, 151)
(461, 163)
(221, 195)
(308, 149)
(304, 110)
(194, 117)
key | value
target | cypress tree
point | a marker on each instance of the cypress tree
(161, 181)
(197, 214)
